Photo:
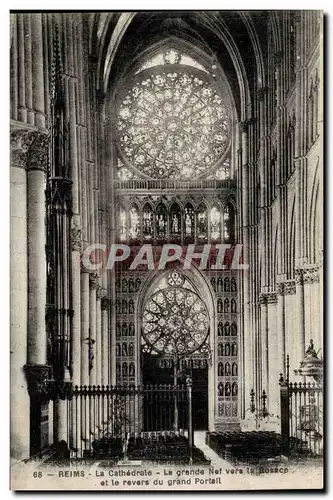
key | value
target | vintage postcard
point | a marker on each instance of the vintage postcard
(166, 250)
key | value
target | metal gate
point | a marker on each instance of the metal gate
(103, 420)
(301, 417)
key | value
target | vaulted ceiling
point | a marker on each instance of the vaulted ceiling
(236, 39)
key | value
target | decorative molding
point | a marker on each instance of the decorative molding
(76, 239)
(307, 275)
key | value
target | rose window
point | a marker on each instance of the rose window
(175, 320)
(172, 123)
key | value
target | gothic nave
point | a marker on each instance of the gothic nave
(201, 130)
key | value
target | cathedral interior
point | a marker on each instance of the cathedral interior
(193, 129)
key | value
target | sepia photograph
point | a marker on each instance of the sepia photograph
(166, 243)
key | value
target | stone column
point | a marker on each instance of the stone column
(105, 339)
(84, 326)
(28, 67)
(307, 286)
(76, 304)
(275, 349)
(19, 401)
(60, 420)
(93, 285)
(32, 351)
(76, 332)
(289, 295)
(22, 109)
(264, 345)
(299, 333)
(84, 352)
(38, 101)
(247, 341)
(37, 161)
(99, 346)
(281, 325)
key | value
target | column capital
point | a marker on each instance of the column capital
(76, 239)
(287, 287)
(20, 142)
(38, 380)
(307, 275)
(38, 154)
(29, 148)
(268, 298)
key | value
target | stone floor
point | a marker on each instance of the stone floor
(199, 441)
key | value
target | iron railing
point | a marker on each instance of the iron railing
(301, 417)
(103, 420)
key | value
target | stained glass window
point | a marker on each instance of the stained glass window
(134, 224)
(172, 123)
(175, 320)
(228, 223)
(189, 221)
(222, 171)
(161, 222)
(147, 222)
(122, 225)
(215, 223)
(202, 225)
(175, 222)
(171, 56)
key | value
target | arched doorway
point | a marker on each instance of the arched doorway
(175, 342)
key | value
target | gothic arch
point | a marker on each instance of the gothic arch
(203, 287)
